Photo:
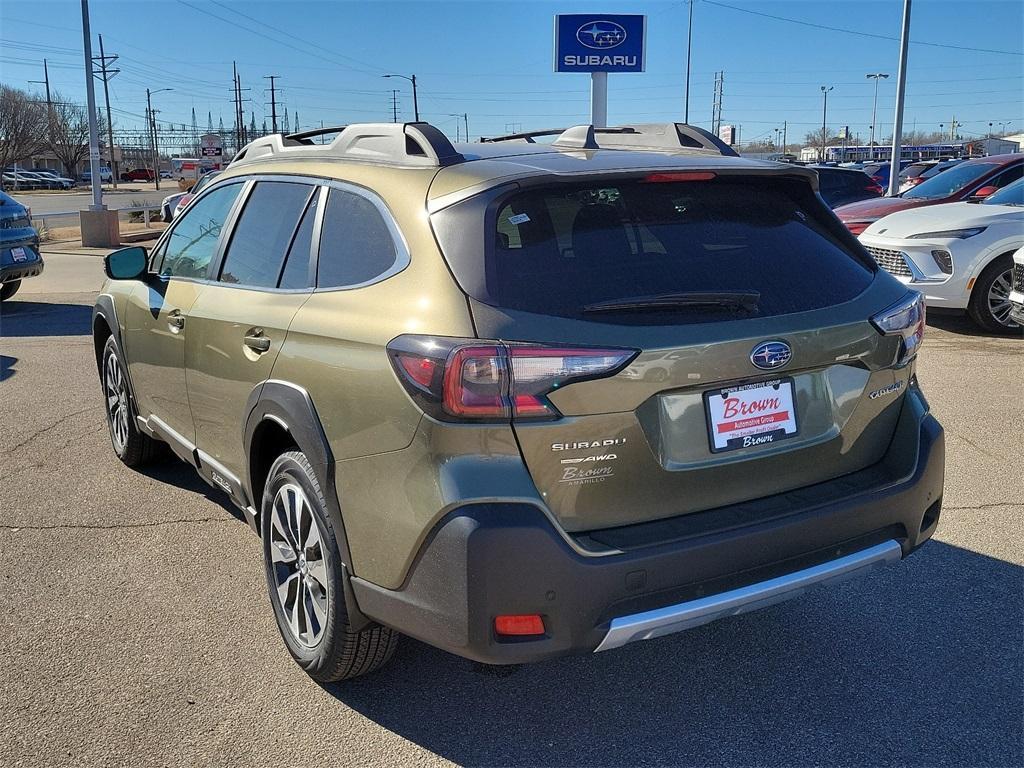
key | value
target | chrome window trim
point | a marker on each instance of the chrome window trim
(403, 256)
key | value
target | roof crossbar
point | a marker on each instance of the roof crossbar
(402, 144)
(648, 136)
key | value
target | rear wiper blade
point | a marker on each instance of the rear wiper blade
(746, 300)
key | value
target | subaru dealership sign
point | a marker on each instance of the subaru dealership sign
(600, 42)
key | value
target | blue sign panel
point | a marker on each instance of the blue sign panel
(600, 42)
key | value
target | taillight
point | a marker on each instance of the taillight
(875, 188)
(467, 380)
(670, 176)
(856, 227)
(905, 318)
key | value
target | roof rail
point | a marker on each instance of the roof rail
(649, 136)
(402, 144)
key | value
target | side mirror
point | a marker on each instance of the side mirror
(981, 194)
(126, 264)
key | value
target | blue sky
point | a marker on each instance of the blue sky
(493, 61)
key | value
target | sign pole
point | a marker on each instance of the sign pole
(599, 99)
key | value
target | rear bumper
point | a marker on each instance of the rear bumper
(11, 270)
(491, 559)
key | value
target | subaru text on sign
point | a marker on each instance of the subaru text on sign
(600, 43)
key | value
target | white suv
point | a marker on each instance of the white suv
(959, 255)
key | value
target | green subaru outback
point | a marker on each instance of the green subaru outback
(526, 397)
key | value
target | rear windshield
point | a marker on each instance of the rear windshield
(949, 181)
(556, 249)
(915, 170)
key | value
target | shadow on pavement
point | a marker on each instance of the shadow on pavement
(173, 471)
(919, 664)
(37, 318)
(960, 324)
(7, 364)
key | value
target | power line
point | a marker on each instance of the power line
(857, 32)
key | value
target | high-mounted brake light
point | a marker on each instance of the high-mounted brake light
(462, 379)
(670, 176)
(905, 318)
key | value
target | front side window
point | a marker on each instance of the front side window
(264, 232)
(356, 245)
(1012, 194)
(193, 241)
(949, 182)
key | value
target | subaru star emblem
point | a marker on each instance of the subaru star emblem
(601, 35)
(769, 355)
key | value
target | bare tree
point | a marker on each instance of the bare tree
(813, 138)
(22, 126)
(69, 133)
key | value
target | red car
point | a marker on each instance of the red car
(139, 174)
(970, 181)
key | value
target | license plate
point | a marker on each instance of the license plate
(18, 254)
(750, 415)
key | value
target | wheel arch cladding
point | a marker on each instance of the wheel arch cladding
(290, 410)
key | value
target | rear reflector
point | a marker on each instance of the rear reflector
(655, 178)
(525, 624)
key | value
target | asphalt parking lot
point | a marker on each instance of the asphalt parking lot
(136, 629)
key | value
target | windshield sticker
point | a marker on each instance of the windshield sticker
(519, 218)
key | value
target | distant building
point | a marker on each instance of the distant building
(973, 148)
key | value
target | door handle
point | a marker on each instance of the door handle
(256, 341)
(175, 320)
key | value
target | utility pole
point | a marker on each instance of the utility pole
(689, 45)
(784, 128)
(94, 131)
(716, 106)
(394, 105)
(105, 74)
(901, 90)
(874, 109)
(953, 125)
(824, 112)
(415, 102)
(273, 102)
(465, 122)
(49, 102)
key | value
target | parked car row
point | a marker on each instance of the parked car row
(38, 178)
(936, 238)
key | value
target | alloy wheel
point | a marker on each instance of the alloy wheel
(299, 566)
(999, 298)
(117, 402)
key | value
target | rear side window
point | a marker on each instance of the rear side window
(555, 249)
(264, 233)
(356, 245)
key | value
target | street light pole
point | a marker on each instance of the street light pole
(94, 131)
(901, 90)
(152, 133)
(874, 109)
(415, 102)
(824, 113)
(689, 43)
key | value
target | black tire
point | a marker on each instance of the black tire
(133, 447)
(980, 308)
(331, 650)
(9, 289)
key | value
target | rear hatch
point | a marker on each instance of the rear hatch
(753, 367)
